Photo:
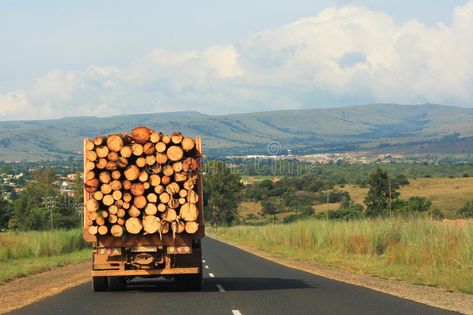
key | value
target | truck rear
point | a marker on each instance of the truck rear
(143, 208)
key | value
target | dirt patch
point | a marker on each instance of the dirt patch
(458, 302)
(24, 291)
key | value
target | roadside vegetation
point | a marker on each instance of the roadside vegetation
(23, 253)
(418, 251)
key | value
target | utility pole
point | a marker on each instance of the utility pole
(49, 202)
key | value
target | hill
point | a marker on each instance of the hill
(410, 128)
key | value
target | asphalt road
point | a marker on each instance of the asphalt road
(235, 283)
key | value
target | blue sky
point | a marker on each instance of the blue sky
(213, 56)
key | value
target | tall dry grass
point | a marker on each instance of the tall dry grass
(419, 251)
(18, 245)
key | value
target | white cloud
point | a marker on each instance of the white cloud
(343, 55)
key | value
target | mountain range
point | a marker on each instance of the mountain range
(427, 128)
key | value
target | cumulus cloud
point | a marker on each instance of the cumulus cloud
(341, 56)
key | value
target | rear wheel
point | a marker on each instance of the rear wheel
(117, 283)
(99, 284)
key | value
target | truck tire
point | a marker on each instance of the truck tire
(117, 283)
(99, 284)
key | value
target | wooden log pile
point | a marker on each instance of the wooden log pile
(144, 182)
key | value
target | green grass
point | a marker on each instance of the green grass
(417, 251)
(24, 253)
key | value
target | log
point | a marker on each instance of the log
(113, 209)
(137, 189)
(121, 221)
(183, 193)
(161, 158)
(155, 137)
(192, 227)
(127, 197)
(112, 156)
(174, 153)
(177, 166)
(91, 185)
(150, 160)
(188, 212)
(169, 215)
(126, 205)
(116, 175)
(103, 214)
(133, 225)
(116, 184)
(92, 205)
(103, 229)
(141, 134)
(140, 162)
(91, 156)
(187, 144)
(118, 203)
(134, 212)
(180, 177)
(161, 207)
(122, 162)
(101, 164)
(115, 143)
(99, 220)
(159, 189)
(111, 166)
(93, 215)
(154, 180)
(149, 148)
(117, 195)
(181, 227)
(89, 145)
(173, 203)
(190, 165)
(146, 185)
(137, 149)
(188, 184)
(126, 152)
(121, 213)
(126, 184)
(172, 188)
(152, 197)
(182, 200)
(102, 151)
(132, 172)
(156, 168)
(151, 209)
(164, 197)
(116, 230)
(112, 219)
(140, 202)
(176, 137)
(168, 170)
(164, 227)
(93, 229)
(165, 180)
(90, 175)
(89, 165)
(160, 147)
(151, 224)
(192, 197)
(143, 176)
(98, 140)
(98, 195)
(105, 177)
(106, 189)
(108, 200)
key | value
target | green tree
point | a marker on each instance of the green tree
(6, 213)
(380, 194)
(222, 193)
(467, 210)
(268, 207)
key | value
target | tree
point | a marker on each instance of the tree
(380, 194)
(6, 213)
(222, 193)
(268, 207)
(467, 210)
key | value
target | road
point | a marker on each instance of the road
(236, 283)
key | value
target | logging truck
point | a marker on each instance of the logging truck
(143, 208)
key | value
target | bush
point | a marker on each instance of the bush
(467, 210)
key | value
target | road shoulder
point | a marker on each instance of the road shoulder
(23, 291)
(459, 302)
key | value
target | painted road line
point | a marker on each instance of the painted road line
(236, 312)
(220, 288)
(206, 267)
(203, 260)
(211, 275)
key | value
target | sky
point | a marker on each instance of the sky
(87, 58)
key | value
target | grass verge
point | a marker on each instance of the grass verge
(24, 253)
(416, 251)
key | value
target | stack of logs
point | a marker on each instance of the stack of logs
(143, 182)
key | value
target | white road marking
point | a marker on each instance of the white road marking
(220, 288)
(203, 260)
(206, 267)
(211, 275)
(236, 312)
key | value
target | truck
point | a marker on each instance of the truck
(115, 260)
